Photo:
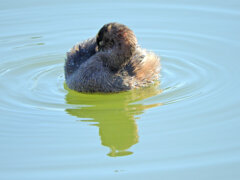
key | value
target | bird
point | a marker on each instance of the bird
(110, 62)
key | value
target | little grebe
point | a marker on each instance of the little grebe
(110, 62)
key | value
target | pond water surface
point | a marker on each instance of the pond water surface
(185, 127)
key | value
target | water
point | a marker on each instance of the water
(185, 127)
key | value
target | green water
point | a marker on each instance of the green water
(185, 127)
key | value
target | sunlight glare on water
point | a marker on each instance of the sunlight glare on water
(184, 127)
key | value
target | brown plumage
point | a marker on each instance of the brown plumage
(110, 62)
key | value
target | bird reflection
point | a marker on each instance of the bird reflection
(113, 114)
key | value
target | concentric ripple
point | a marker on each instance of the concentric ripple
(187, 76)
(38, 82)
(35, 83)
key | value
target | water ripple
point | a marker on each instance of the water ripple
(37, 82)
